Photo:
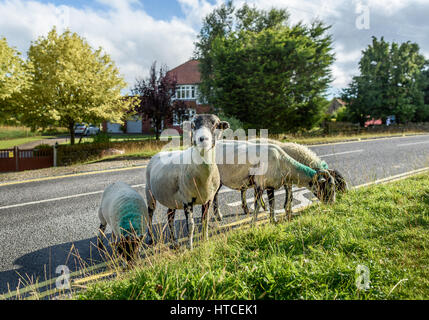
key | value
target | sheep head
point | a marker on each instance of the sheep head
(340, 182)
(323, 186)
(205, 129)
(127, 247)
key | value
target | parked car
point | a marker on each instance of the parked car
(80, 129)
(92, 130)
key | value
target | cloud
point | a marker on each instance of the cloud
(134, 39)
(127, 33)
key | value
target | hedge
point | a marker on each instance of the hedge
(78, 153)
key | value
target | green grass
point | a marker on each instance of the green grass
(384, 227)
(339, 137)
(7, 144)
(15, 132)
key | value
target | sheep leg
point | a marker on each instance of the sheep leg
(205, 219)
(100, 237)
(288, 201)
(149, 237)
(101, 229)
(170, 216)
(216, 209)
(271, 200)
(258, 195)
(189, 212)
(244, 201)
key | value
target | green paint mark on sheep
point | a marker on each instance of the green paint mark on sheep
(306, 170)
(324, 165)
(130, 218)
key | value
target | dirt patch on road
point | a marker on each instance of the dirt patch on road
(59, 171)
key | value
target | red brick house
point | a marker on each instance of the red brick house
(188, 79)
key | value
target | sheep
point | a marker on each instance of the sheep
(279, 170)
(125, 211)
(305, 156)
(309, 158)
(183, 179)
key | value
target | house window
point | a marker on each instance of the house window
(186, 92)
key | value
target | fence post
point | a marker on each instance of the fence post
(16, 153)
(55, 154)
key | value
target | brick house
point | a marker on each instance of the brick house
(188, 79)
(335, 105)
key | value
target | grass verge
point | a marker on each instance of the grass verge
(8, 144)
(340, 137)
(316, 256)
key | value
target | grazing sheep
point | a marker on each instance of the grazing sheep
(309, 158)
(182, 179)
(278, 169)
(125, 211)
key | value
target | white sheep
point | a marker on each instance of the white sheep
(278, 169)
(309, 158)
(125, 211)
(182, 179)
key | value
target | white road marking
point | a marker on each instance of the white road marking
(60, 198)
(223, 190)
(411, 143)
(340, 153)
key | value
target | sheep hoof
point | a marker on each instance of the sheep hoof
(148, 241)
(219, 217)
(174, 246)
(100, 244)
(274, 220)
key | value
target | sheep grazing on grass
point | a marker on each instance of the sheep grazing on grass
(125, 211)
(183, 179)
(309, 158)
(276, 170)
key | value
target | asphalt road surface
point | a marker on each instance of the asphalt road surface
(50, 223)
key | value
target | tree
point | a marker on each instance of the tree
(13, 80)
(390, 83)
(71, 83)
(422, 114)
(155, 97)
(263, 72)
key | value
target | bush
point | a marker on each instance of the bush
(234, 123)
(43, 150)
(43, 147)
(341, 114)
(101, 137)
(78, 153)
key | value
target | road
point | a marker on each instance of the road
(44, 224)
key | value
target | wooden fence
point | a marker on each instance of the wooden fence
(19, 160)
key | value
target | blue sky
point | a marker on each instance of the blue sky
(137, 32)
(159, 9)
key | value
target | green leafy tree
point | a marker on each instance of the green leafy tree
(71, 83)
(267, 74)
(13, 80)
(390, 83)
(422, 114)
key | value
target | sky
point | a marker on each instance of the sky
(135, 33)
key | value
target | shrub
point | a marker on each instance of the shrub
(234, 123)
(101, 137)
(72, 154)
(43, 147)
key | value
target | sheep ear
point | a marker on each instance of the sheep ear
(223, 125)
